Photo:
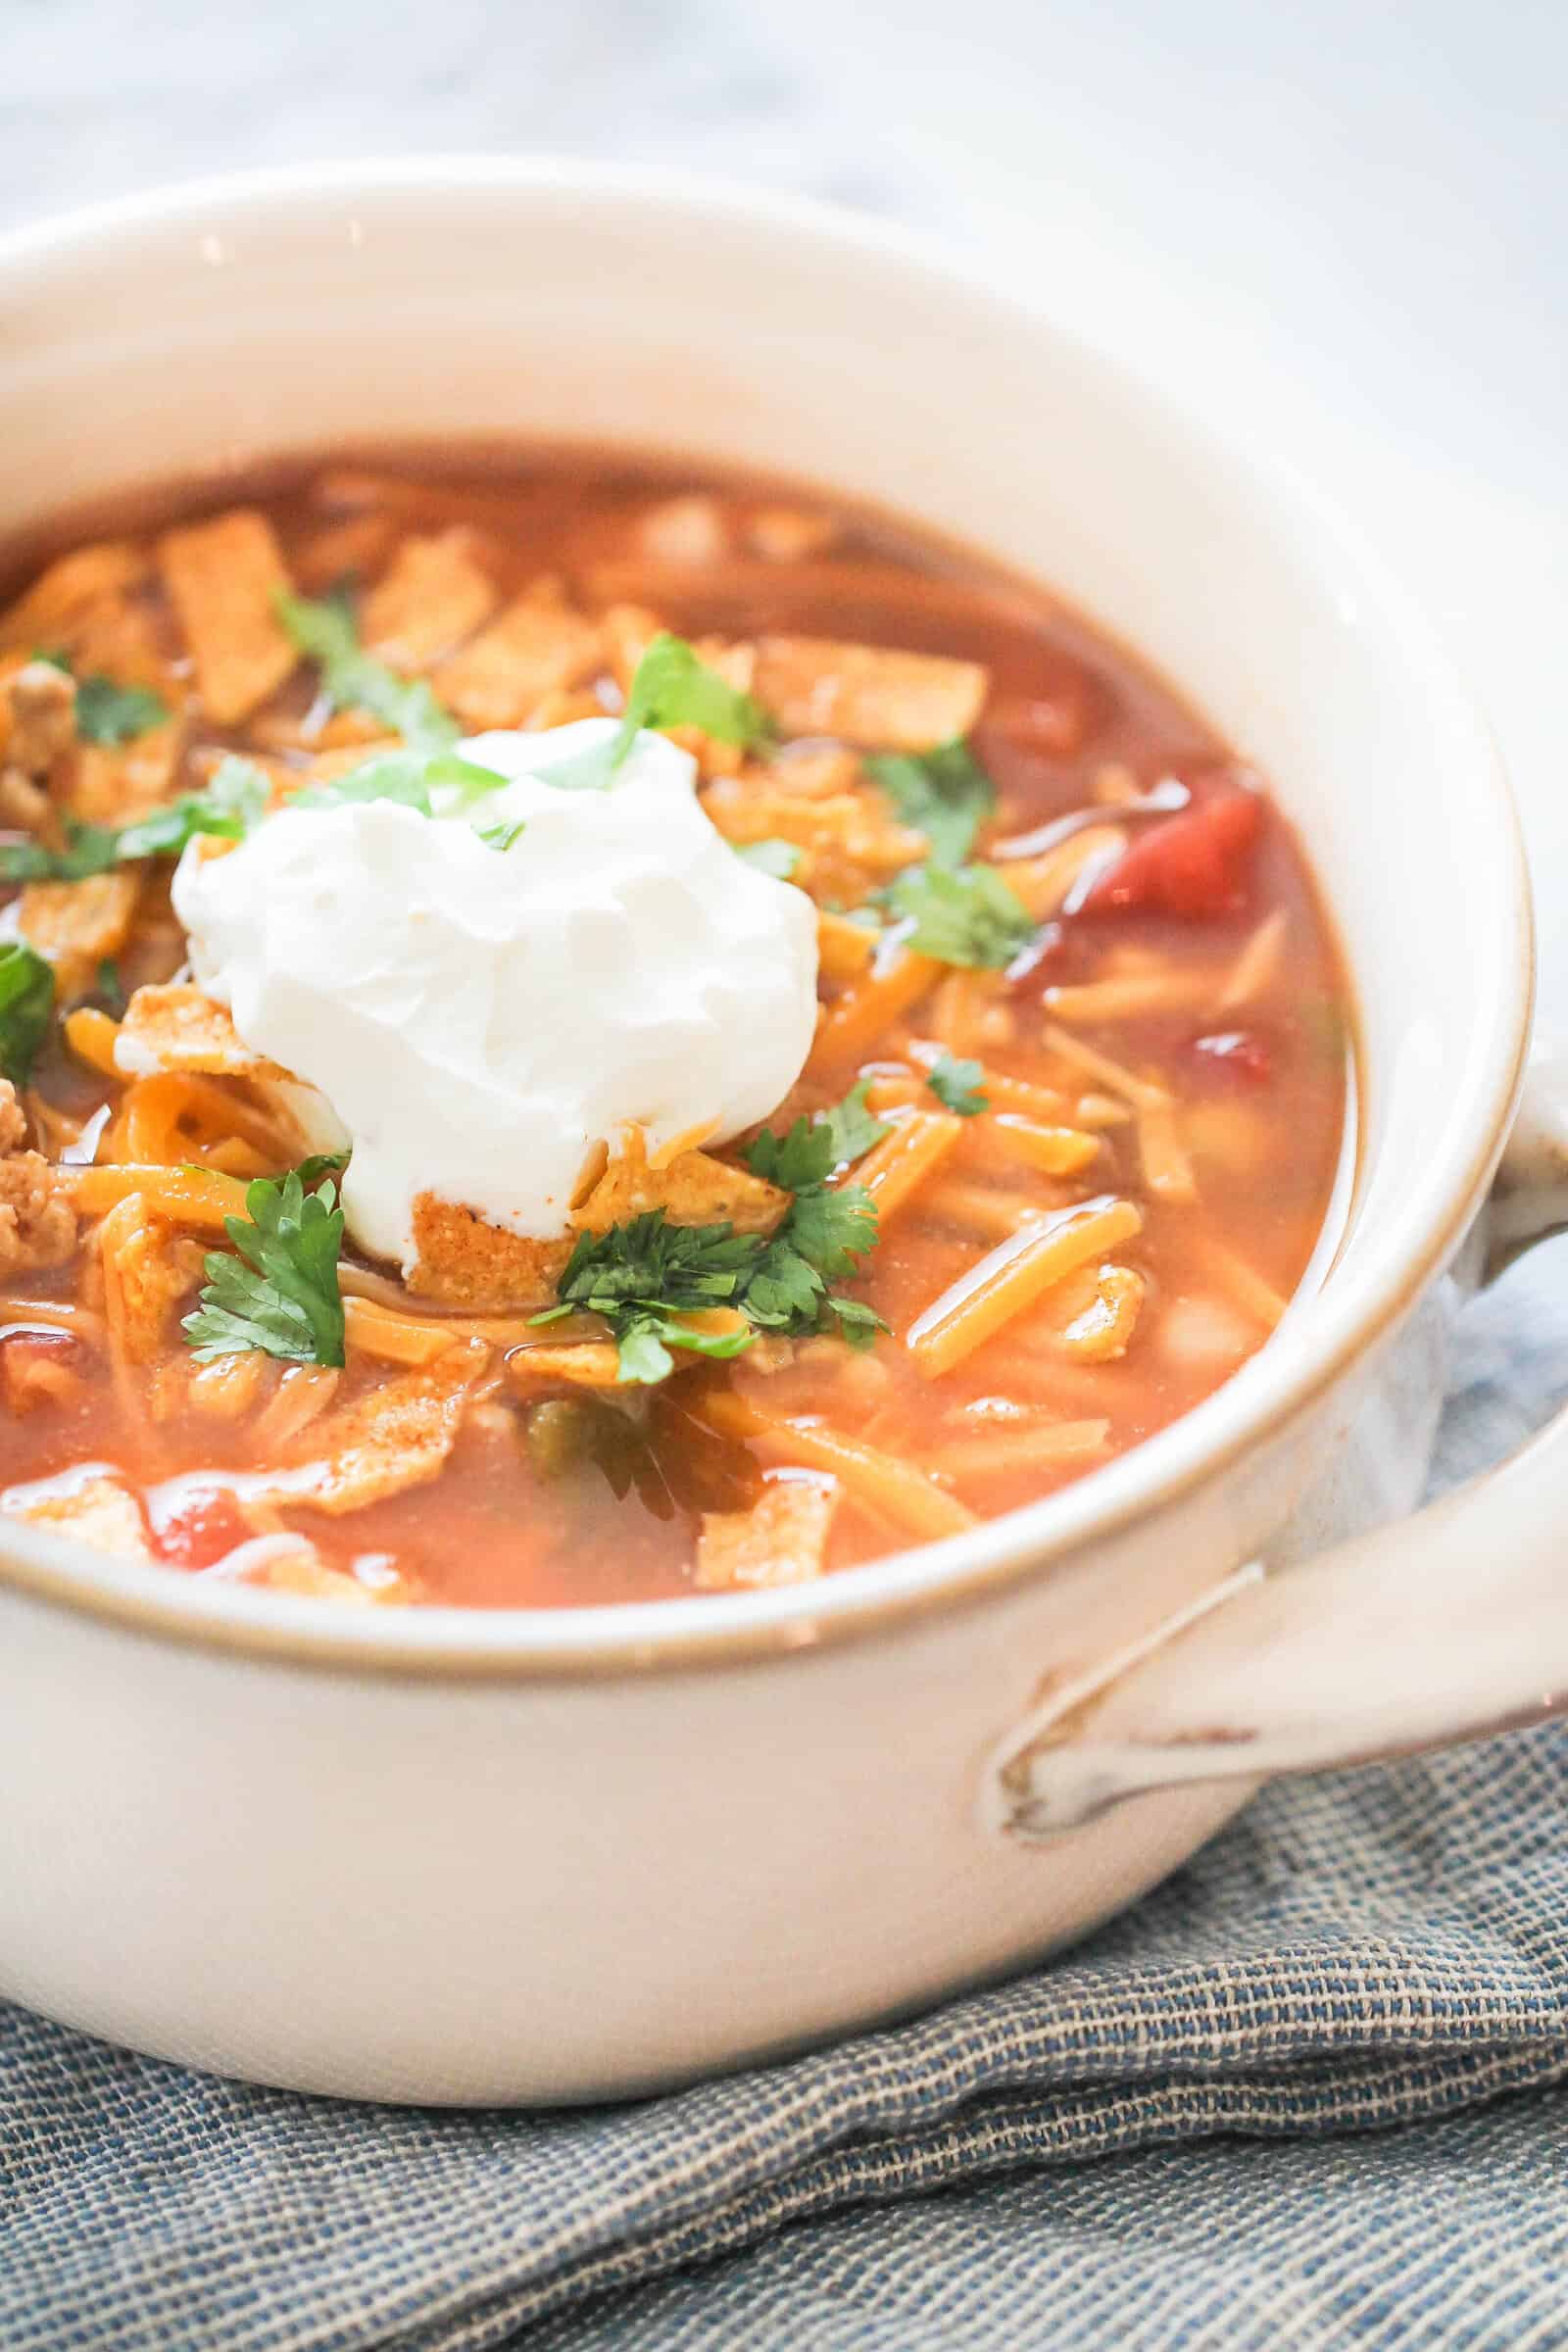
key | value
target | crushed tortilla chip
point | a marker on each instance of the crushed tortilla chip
(782, 1540)
(77, 924)
(463, 1260)
(119, 639)
(223, 577)
(343, 550)
(115, 783)
(147, 1272)
(395, 1437)
(850, 842)
(692, 1189)
(306, 1572)
(61, 596)
(175, 1027)
(533, 649)
(433, 594)
(867, 694)
(97, 1510)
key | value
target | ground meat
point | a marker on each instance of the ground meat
(37, 1222)
(43, 718)
(12, 1120)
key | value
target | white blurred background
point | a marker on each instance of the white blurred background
(1342, 225)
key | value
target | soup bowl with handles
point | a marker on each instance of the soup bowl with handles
(525, 1856)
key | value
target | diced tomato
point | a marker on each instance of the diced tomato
(201, 1527)
(1238, 1049)
(1193, 866)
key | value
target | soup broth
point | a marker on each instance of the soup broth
(1083, 1032)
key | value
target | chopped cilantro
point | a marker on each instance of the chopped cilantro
(235, 802)
(320, 1163)
(673, 686)
(424, 781)
(853, 1128)
(109, 987)
(324, 632)
(945, 794)
(958, 1084)
(111, 714)
(107, 712)
(780, 859)
(644, 1275)
(280, 1294)
(641, 1276)
(88, 850)
(962, 915)
(27, 1000)
(503, 837)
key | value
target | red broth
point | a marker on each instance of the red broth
(1077, 1240)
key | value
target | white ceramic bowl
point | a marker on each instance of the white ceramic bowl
(448, 1856)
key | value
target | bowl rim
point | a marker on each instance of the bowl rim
(1276, 1386)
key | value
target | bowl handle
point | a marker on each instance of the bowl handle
(1444, 1627)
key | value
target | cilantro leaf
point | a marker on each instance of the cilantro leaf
(324, 632)
(641, 1276)
(853, 1129)
(280, 1294)
(958, 1084)
(945, 794)
(233, 803)
(111, 714)
(233, 806)
(88, 850)
(109, 987)
(320, 1163)
(780, 859)
(807, 1154)
(831, 1229)
(963, 914)
(503, 837)
(27, 1000)
(414, 779)
(803, 1156)
(673, 686)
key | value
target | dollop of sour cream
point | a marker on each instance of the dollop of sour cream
(477, 1017)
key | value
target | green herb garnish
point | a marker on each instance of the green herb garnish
(673, 686)
(106, 713)
(414, 779)
(958, 1084)
(780, 859)
(111, 714)
(352, 679)
(644, 1275)
(965, 915)
(233, 803)
(109, 987)
(852, 1128)
(27, 1000)
(945, 794)
(280, 1292)
(88, 850)
(233, 806)
(641, 1276)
